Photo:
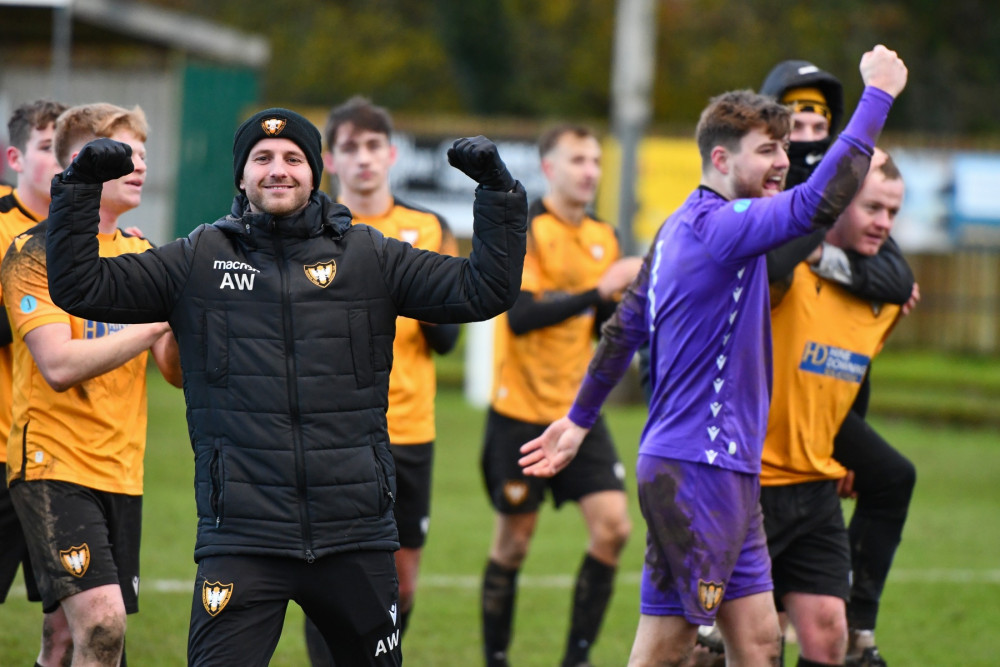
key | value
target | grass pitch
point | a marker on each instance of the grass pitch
(938, 609)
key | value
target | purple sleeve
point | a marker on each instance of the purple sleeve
(621, 336)
(852, 151)
(869, 117)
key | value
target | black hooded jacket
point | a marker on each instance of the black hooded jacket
(285, 328)
(886, 277)
(805, 155)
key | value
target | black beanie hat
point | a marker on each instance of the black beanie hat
(277, 124)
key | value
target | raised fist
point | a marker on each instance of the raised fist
(883, 69)
(99, 161)
(478, 158)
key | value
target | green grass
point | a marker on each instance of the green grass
(937, 387)
(939, 606)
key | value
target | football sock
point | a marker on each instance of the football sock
(590, 600)
(858, 640)
(499, 591)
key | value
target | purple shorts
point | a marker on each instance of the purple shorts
(705, 541)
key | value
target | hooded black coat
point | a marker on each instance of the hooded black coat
(285, 328)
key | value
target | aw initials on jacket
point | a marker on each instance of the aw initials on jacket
(232, 280)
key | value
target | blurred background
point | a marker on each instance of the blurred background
(639, 71)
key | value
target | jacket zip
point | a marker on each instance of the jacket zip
(293, 393)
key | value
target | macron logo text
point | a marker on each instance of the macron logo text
(229, 265)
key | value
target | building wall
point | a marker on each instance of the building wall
(157, 92)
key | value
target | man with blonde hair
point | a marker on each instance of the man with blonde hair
(76, 446)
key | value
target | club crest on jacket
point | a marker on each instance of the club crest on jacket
(321, 274)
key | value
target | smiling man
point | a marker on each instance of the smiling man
(285, 313)
(701, 302)
(824, 340)
(879, 477)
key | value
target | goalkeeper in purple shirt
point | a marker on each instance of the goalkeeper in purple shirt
(701, 302)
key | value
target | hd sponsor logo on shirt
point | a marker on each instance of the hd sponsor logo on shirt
(834, 362)
(93, 329)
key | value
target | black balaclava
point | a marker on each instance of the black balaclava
(790, 74)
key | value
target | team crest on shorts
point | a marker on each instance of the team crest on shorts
(272, 126)
(321, 274)
(215, 596)
(515, 491)
(710, 594)
(76, 560)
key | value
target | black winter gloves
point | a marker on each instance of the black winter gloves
(99, 161)
(479, 160)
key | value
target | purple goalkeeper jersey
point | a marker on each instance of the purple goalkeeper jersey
(701, 301)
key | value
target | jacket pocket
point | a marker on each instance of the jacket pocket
(217, 347)
(217, 482)
(386, 497)
(362, 347)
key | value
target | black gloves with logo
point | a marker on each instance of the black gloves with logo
(99, 161)
(478, 158)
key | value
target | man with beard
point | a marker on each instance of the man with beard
(285, 313)
(701, 302)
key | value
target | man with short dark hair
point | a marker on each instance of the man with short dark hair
(573, 274)
(285, 314)
(701, 302)
(31, 154)
(360, 154)
(824, 340)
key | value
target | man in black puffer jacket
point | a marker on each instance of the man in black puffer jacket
(285, 315)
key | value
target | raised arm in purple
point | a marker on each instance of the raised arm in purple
(702, 302)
